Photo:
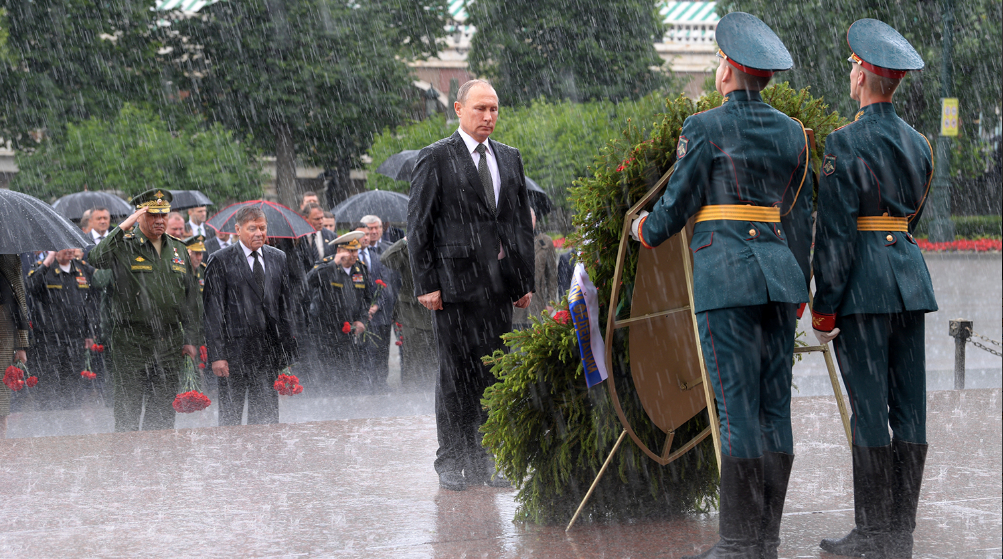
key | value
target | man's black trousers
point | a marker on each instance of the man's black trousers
(464, 333)
(254, 373)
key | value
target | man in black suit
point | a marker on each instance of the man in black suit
(247, 300)
(471, 244)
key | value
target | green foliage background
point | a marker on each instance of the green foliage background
(557, 139)
(138, 150)
(548, 432)
(567, 49)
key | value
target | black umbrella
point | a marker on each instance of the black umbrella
(391, 207)
(73, 206)
(399, 165)
(184, 199)
(538, 198)
(30, 224)
(283, 223)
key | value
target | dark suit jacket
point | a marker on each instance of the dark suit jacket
(307, 250)
(453, 236)
(242, 322)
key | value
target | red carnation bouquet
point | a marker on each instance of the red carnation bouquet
(190, 397)
(16, 377)
(288, 384)
(87, 373)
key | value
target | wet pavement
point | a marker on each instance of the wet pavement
(365, 488)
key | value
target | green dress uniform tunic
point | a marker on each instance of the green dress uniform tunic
(871, 278)
(337, 297)
(750, 275)
(64, 315)
(150, 297)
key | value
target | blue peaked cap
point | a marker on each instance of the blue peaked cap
(878, 44)
(749, 42)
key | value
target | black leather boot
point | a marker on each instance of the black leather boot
(741, 510)
(908, 460)
(776, 474)
(872, 505)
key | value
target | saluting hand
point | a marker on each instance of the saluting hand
(131, 220)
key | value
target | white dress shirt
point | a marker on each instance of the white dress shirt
(97, 236)
(196, 229)
(250, 259)
(492, 160)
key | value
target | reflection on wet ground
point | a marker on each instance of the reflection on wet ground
(365, 488)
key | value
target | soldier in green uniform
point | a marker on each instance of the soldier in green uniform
(196, 253)
(874, 288)
(154, 311)
(742, 171)
(64, 321)
(340, 292)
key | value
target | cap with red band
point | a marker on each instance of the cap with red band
(879, 48)
(751, 46)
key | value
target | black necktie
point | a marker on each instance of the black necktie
(258, 272)
(486, 182)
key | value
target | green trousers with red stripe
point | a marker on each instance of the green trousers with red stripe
(748, 352)
(882, 358)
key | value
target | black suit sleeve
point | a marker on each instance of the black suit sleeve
(286, 301)
(214, 307)
(422, 207)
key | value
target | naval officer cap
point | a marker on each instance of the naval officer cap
(348, 240)
(751, 46)
(878, 47)
(156, 201)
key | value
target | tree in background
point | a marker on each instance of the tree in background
(136, 151)
(558, 140)
(67, 60)
(815, 34)
(309, 78)
(567, 49)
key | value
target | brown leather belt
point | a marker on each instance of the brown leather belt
(735, 212)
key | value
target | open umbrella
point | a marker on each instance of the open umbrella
(538, 198)
(399, 165)
(184, 199)
(30, 224)
(73, 206)
(391, 207)
(283, 223)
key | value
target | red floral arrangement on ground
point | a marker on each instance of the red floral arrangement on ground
(191, 401)
(562, 317)
(14, 377)
(288, 385)
(978, 245)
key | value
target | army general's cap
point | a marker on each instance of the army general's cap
(751, 46)
(878, 47)
(157, 201)
(196, 243)
(349, 240)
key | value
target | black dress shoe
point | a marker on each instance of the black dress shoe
(452, 481)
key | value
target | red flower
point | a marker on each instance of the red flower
(381, 283)
(201, 365)
(562, 317)
(97, 348)
(203, 354)
(346, 328)
(13, 377)
(88, 375)
(31, 381)
(191, 401)
(287, 385)
(398, 342)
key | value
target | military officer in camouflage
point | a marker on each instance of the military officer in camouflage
(743, 171)
(154, 311)
(340, 293)
(873, 289)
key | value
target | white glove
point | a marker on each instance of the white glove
(636, 224)
(825, 337)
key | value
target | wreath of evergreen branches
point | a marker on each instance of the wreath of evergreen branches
(548, 432)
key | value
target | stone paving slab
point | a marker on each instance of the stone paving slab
(364, 488)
